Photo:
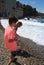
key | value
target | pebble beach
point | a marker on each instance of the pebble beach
(32, 54)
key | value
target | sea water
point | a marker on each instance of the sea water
(32, 29)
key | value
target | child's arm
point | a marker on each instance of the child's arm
(17, 36)
(11, 40)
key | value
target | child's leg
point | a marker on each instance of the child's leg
(10, 59)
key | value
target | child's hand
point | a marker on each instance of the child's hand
(16, 39)
(10, 40)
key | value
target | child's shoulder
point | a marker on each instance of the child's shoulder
(8, 29)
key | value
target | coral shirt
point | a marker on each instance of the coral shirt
(10, 34)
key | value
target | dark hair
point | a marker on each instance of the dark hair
(12, 19)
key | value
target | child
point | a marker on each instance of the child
(10, 38)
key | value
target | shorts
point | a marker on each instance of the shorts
(13, 53)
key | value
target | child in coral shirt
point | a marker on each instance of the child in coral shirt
(10, 38)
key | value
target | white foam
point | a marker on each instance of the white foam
(33, 22)
(4, 22)
(31, 29)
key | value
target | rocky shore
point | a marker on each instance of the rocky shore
(32, 53)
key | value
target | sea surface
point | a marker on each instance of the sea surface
(32, 29)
